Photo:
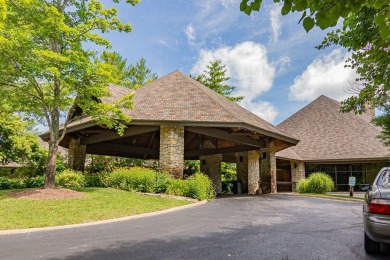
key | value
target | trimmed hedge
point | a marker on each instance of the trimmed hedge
(317, 182)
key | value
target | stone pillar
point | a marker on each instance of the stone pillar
(268, 169)
(76, 155)
(211, 166)
(248, 171)
(242, 170)
(172, 150)
(297, 173)
(253, 172)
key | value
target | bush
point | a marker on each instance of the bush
(198, 186)
(318, 182)
(178, 187)
(96, 180)
(35, 182)
(133, 179)
(71, 179)
(163, 180)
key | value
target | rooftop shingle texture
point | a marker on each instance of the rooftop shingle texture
(177, 97)
(327, 134)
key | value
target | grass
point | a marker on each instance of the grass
(332, 196)
(100, 204)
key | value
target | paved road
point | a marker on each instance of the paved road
(261, 227)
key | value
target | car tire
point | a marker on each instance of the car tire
(371, 246)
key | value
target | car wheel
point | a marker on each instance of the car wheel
(371, 246)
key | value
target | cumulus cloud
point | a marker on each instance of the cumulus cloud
(326, 75)
(248, 66)
(275, 14)
(190, 33)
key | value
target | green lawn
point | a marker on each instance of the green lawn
(100, 204)
(332, 196)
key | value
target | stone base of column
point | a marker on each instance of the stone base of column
(297, 173)
(172, 150)
(76, 155)
(268, 169)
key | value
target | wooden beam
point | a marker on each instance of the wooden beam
(150, 143)
(123, 148)
(230, 149)
(217, 133)
(130, 131)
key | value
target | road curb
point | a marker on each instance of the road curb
(318, 197)
(107, 221)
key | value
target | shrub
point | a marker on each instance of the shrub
(133, 179)
(96, 180)
(200, 187)
(71, 179)
(35, 182)
(318, 182)
(162, 182)
(4, 183)
(178, 187)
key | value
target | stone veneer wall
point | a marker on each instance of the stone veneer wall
(253, 172)
(172, 150)
(211, 166)
(268, 169)
(297, 173)
(76, 155)
(242, 170)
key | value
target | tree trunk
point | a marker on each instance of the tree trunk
(51, 167)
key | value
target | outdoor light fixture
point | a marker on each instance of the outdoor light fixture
(204, 162)
(264, 155)
(241, 159)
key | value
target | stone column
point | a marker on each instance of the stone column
(248, 171)
(172, 150)
(253, 172)
(268, 169)
(76, 155)
(297, 173)
(211, 166)
(242, 170)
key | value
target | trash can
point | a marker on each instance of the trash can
(237, 187)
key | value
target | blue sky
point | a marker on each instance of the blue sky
(270, 58)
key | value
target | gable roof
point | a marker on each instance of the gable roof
(326, 134)
(178, 98)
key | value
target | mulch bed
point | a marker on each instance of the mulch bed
(46, 194)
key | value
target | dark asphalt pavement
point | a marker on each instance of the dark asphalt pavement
(258, 227)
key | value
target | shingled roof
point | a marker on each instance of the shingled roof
(328, 135)
(177, 97)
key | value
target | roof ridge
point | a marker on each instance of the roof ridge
(201, 87)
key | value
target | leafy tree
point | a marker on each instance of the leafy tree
(365, 33)
(326, 13)
(132, 76)
(140, 74)
(16, 143)
(214, 78)
(46, 71)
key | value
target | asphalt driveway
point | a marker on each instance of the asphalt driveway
(259, 227)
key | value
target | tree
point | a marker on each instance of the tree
(326, 13)
(214, 78)
(16, 142)
(46, 71)
(132, 76)
(365, 34)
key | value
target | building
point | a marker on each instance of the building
(339, 144)
(175, 118)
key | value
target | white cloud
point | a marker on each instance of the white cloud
(227, 3)
(326, 75)
(275, 14)
(190, 33)
(248, 66)
(282, 64)
(265, 110)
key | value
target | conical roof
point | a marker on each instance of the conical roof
(177, 97)
(326, 134)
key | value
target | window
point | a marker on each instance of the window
(384, 179)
